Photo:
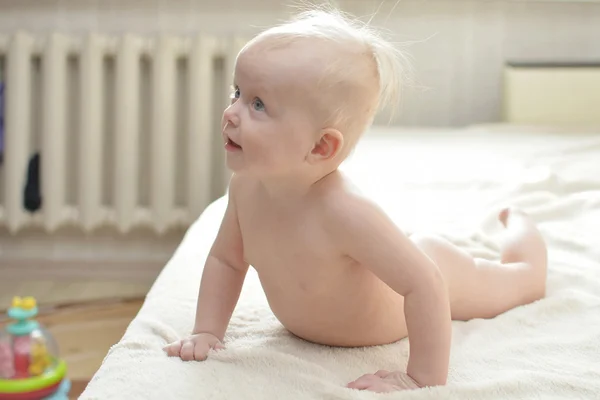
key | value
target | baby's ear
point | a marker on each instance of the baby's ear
(327, 147)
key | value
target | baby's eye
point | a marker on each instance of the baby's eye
(235, 94)
(258, 105)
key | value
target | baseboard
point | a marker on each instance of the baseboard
(64, 257)
(139, 271)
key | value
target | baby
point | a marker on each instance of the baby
(335, 269)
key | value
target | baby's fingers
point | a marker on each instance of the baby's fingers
(382, 373)
(201, 351)
(219, 346)
(187, 351)
(173, 349)
(364, 382)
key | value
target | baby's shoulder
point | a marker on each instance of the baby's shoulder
(345, 204)
(349, 217)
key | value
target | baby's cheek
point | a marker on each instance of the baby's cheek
(266, 156)
(292, 153)
(278, 158)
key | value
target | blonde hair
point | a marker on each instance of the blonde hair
(368, 55)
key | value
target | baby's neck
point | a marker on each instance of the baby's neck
(293, 188)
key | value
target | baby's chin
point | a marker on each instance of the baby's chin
(240, 168)
(263, 172)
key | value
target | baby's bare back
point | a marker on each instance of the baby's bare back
(315, 291)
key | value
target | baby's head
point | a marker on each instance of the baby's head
(305, 91)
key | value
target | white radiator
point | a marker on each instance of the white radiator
(127, 128)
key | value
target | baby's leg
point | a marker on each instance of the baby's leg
(484, 289)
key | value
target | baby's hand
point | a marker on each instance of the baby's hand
(384, 381)
(194, 347)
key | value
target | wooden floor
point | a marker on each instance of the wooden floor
(85, 332)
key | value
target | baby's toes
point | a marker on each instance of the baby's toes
(503, 216)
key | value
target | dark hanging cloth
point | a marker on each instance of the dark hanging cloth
(32, 197)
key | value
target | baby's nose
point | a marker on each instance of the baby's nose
(230, 117)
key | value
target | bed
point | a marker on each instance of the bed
(450, 182)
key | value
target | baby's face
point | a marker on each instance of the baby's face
(270, 128)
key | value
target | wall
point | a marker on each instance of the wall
(458, 47)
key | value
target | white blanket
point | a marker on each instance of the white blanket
(449, 182)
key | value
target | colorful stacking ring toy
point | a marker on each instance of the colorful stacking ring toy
(30, 368)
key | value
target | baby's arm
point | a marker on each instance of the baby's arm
(369, 237)
(220, 287)
(223, 275)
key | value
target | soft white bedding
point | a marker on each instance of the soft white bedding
(449, 182)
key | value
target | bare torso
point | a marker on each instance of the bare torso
(314, 290)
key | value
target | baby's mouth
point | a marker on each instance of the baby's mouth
(232, 143)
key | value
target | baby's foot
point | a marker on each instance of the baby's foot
(509, 214)
(522, 242)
